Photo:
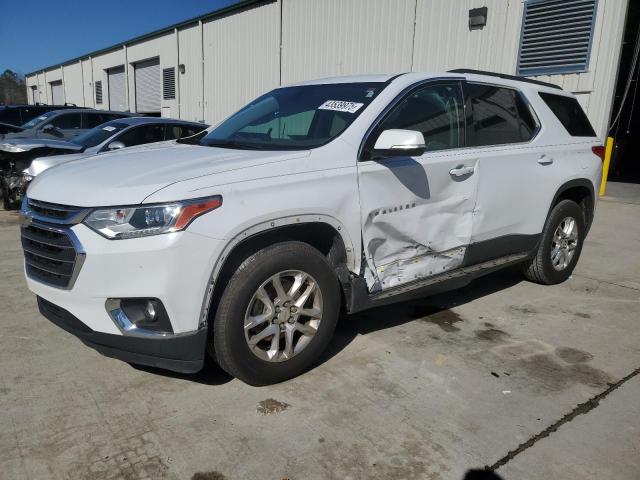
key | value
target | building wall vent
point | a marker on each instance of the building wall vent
(99, 92)
(169, 83)
(556, 36)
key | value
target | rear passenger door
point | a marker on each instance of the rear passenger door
(515, 172)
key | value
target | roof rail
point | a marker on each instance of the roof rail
(506, 77)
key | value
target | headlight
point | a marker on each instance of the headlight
(9, 147)
(141, 221)
(26, 176)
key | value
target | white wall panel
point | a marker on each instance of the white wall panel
(42, 88)
(163, 47)
(340, 37)
(87, 79)
(443, 40)
(241, 58)
(189, 84)
(72, 80)
(101, 63)
(31, 81)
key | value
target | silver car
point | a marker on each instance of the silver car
(113, 135)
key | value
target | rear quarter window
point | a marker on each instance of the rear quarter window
(570, 114)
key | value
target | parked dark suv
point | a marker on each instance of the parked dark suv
(13, 116)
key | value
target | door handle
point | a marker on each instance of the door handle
(544, 160)
(461, 171)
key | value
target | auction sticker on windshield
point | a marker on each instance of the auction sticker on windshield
(109, 128)
(341, 106)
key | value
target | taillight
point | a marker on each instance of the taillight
(599, 151)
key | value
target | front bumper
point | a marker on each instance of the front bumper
(180, 353)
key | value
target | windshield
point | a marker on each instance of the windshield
(98, 134)
(36, 121)
(294, 118)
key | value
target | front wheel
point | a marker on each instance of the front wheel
(277, 314)
(560, 246)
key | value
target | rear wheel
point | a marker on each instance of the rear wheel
(560, 246)
(277, 314)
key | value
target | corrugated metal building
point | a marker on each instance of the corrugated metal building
(206, 68)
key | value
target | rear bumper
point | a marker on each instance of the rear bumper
(182, 353)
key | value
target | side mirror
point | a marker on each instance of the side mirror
(49, 128)
(396, 142)
(116, 145)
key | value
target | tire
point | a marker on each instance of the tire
(242, 301)
(540, 268)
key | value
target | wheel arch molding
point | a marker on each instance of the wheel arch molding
(323, 232)
(581, 191)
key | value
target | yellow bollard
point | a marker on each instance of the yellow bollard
(605, 165)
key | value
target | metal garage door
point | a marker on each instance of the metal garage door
(57, 93)
(147, 76)
(117, 89)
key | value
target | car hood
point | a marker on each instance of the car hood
(40, 164)
(128, 176)
(31, 143)
(28, 133)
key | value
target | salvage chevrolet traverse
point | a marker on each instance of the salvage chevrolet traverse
(334, 195)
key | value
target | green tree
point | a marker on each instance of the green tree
(12, 88)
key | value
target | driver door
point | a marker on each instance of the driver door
(416, 212)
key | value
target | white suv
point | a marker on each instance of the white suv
(247, 241)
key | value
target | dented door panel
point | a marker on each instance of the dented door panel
(416, 216)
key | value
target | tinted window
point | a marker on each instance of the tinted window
(499, 116)
(142, 135)
(570, 114)
(92, 120)
(97, 135)
(434, 110)
(66, 121)
(174, 132)
(294, 118)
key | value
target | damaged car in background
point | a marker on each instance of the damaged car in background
(333, 195)
(30, 157)
(52, 125)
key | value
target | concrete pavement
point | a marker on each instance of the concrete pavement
(420, 390)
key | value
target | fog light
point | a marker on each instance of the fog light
(142, 316)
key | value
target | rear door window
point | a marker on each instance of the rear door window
(66, 121)
(499, 116)
(570, 114)
(143, 134)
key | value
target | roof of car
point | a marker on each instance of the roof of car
(87, 110)
(157, 120)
